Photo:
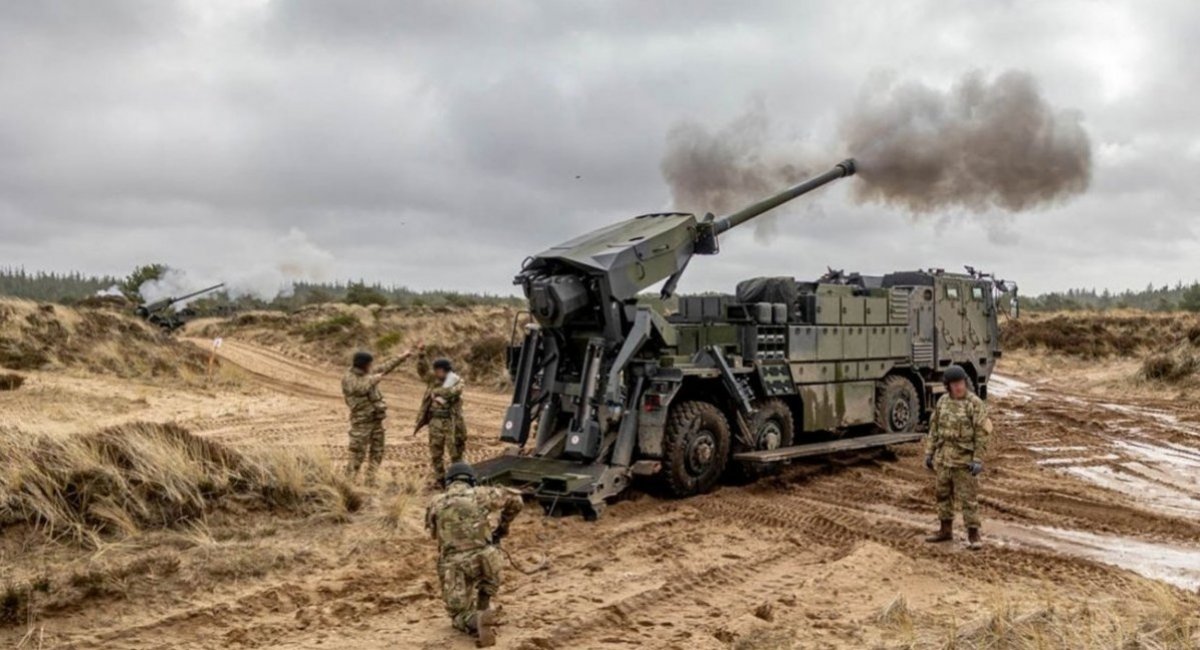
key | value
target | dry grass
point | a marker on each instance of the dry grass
(1093, 335)
(1118, 351)
(1173, 367)
(1150, 616)
(19, 601)
(35, 336)
(475, 338)
(895, 614)
(767, 638)
(121, 481)
(398, 509)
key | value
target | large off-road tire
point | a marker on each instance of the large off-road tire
(897, 407)
(695, 448)
(772, 427)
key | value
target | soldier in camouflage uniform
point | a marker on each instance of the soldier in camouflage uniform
(469, 561)
(442, 407)
(360, 388)
(958, 436)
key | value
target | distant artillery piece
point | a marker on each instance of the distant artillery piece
(160, 312)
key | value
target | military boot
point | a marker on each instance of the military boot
(485, 636)
(945, 534)
(973, 541)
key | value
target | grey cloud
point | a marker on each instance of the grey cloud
(392, 132)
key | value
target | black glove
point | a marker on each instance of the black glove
(929, 462)
(500, 533)
(975, 467)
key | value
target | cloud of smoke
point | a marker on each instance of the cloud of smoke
(293, 258)
(718, 171)
(981, 145)
(721, 171)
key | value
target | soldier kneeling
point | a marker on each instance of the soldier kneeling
(469, 561)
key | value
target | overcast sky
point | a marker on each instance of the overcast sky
(436, 144)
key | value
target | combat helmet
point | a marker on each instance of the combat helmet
(954, 373)
(362, 359)
(460, 471)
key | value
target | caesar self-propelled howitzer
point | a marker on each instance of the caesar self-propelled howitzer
(606, 389)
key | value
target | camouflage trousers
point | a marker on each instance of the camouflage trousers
(466, 575)
(957, 483)
(447, 437)
(366, 441)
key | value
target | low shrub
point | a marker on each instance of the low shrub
(386, 342)
(11, 381)
(1169, 368)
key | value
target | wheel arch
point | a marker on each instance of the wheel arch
(695, 455)
(918, 383)
(707, 389)
(652, 424)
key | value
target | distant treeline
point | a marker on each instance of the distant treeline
(69, 288)
(1180, 297)
(362, 293)
(51, 287)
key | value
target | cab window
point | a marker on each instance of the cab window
(977, 293)
(952, 292)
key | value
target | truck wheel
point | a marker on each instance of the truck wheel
(772, 427)
(897, 409)
(695, 448)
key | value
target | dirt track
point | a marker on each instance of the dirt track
(1077, 490)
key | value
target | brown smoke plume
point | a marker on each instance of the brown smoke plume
(719, 171)
(722, 171)
(981, 145)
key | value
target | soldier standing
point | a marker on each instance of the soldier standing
(441, 409)
(360, 388)
(469, 561)
(958, 436)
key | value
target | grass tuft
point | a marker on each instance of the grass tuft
(1170, 368)
(397, 508)
(387, 341)
(124, 480)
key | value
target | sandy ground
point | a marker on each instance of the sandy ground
(1084, 496)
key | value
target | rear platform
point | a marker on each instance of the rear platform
(771, 456)
(562, 486)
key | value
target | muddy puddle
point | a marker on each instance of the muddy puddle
(1169, 563)
(1133, 450)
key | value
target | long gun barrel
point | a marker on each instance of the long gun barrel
(626, 258)
(842, 169)
(167, 302)
(198, 293)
